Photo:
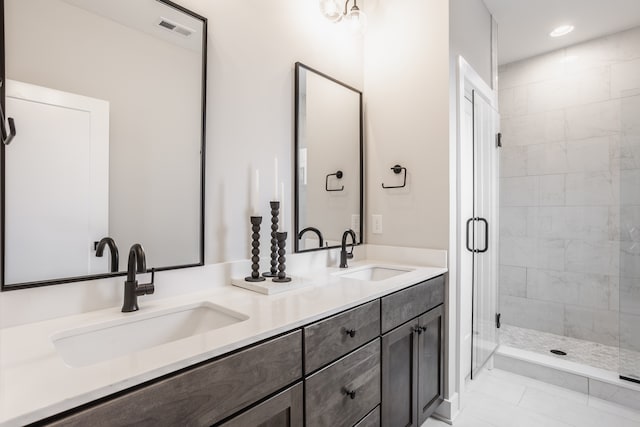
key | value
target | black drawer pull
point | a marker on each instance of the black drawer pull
(350, 332)
(350, 393)
(424, 328)
(417, 329)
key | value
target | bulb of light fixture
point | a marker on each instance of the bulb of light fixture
(562, 30)
(356, 20)
(331, 10)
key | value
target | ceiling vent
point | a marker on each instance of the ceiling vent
(174, 27)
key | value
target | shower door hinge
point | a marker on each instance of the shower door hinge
(498, 316)
(499, 140)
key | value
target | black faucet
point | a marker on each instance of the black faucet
(113, 249)
(343, 252)
(314, 230)
(132, 290)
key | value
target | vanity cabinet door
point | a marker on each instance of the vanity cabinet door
(408, 303)
(430, 363)
(399, 376)
(203, 395)
(282, 410)
(332, 338)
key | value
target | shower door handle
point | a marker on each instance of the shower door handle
(486, 236)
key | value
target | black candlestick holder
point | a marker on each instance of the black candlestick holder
(255, 250)
(275, 210)
(282, 242)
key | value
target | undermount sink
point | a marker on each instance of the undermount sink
(134, 332)
(375, 273)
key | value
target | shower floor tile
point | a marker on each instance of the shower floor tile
(580, 351)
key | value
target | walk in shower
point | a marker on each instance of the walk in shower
(569, 268)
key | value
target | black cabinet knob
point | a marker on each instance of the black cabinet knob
(350, 332)
(417, 330)
(350, 393)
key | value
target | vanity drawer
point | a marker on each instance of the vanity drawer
(330, 339)
(371, 420)
(283, 409)
(406, 304)
(326, 399)
(203, 395)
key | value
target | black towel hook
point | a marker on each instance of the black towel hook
(397, 169)
(6, 136)
(338, 175)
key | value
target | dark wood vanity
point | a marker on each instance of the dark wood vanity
(412, 353)
(377, 364)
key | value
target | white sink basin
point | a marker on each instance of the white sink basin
(374, 273)
(134, 332)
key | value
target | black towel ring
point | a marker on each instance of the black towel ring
(338, 175)
(397, 169)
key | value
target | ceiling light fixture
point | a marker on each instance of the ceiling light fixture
(354, 17)
(562, 30)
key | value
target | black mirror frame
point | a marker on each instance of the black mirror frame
(294, 237)
(3, 285)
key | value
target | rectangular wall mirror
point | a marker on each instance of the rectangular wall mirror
(108, 98)
(328, 160)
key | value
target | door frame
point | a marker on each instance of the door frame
(467, 80)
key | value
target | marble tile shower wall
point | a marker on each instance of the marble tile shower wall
(570, 190)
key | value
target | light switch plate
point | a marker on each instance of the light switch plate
(376, 224)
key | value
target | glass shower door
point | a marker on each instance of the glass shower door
(484, 235)
(629, 309)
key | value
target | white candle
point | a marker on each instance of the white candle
(283, 209)
(275, 178)
(256, 194)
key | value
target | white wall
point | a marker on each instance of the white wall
(252, 48)
(406, 121)
(470, 35)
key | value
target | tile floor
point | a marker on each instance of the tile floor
(502, 399)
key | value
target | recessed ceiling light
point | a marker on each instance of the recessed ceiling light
(562, 30)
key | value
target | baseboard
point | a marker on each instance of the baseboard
(448, 409)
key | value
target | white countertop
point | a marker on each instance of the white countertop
(35, 383)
